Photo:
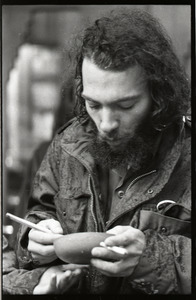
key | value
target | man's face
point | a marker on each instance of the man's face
(117, 102)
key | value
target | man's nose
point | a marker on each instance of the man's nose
(108, 121)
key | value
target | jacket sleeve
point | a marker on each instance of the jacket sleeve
(41, 203)
(165, 266)
(17, 281)
(21, 281)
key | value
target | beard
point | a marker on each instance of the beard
(135, 152)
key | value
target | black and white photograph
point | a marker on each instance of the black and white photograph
(96, 150)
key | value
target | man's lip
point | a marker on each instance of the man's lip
(106, 138)
(111, 141)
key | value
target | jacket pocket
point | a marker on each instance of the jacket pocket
(163, 224)
(72, 212)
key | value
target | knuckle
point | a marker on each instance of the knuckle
(42, 222)
(137, 234)
(118, 227)
(125, 239)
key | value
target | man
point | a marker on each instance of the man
(123, 165)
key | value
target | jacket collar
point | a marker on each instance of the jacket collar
(75, 141)
(76, 138)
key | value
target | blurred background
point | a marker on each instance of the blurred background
(38, 89)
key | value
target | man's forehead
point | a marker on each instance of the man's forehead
(91, 71)
(91, 62)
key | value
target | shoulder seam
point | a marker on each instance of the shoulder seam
(67, 124)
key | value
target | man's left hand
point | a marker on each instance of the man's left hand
(59, 279)
(113, 264)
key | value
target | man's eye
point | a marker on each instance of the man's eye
(126, 105)
(94, 106)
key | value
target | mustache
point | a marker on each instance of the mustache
(144, 131)
(110, 136)
(107, 137)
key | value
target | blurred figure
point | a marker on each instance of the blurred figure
(63, 114)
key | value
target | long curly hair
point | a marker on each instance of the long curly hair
(124, 38)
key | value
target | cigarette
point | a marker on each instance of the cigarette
(115, 249)
(27, 223)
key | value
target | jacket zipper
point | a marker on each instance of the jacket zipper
(129, 186)
(92, 204)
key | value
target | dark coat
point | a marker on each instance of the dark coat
(66, 188)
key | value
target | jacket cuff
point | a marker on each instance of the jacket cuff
(155, 272)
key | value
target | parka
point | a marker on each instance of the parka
(157, 201)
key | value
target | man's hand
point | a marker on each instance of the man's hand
(41, 244)
(58, 279)
(133, 240)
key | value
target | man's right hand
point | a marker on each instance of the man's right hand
(41, 244)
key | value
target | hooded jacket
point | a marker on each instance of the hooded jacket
(66, 188)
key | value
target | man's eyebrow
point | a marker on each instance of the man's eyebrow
(124, 99)
(88, 98)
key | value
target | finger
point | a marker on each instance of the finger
(73, 267)
(114, 269)
(63, 282)
(68, 279)
(117, 229)
(52, 225)
(43, 250)
(42, 237)
(105, 254)
(39, 259)
(131, 235)
(75, 277)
